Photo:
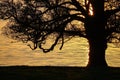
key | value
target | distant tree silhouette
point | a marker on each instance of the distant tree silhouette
(40, 20)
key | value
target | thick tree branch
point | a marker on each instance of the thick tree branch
(79, 7)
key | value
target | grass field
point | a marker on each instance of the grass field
(58, 73)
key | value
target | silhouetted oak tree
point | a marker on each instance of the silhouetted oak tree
(40, 20)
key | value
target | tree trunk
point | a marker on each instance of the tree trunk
(96, 35)
(97, 53)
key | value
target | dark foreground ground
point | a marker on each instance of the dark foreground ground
(58, 73)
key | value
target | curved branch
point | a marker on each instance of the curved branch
(52, 46)
(79, 7)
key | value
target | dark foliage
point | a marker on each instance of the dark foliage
(37, 21)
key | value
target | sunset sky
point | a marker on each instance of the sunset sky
(17, 53)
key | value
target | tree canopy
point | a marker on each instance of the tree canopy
(59, 20)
